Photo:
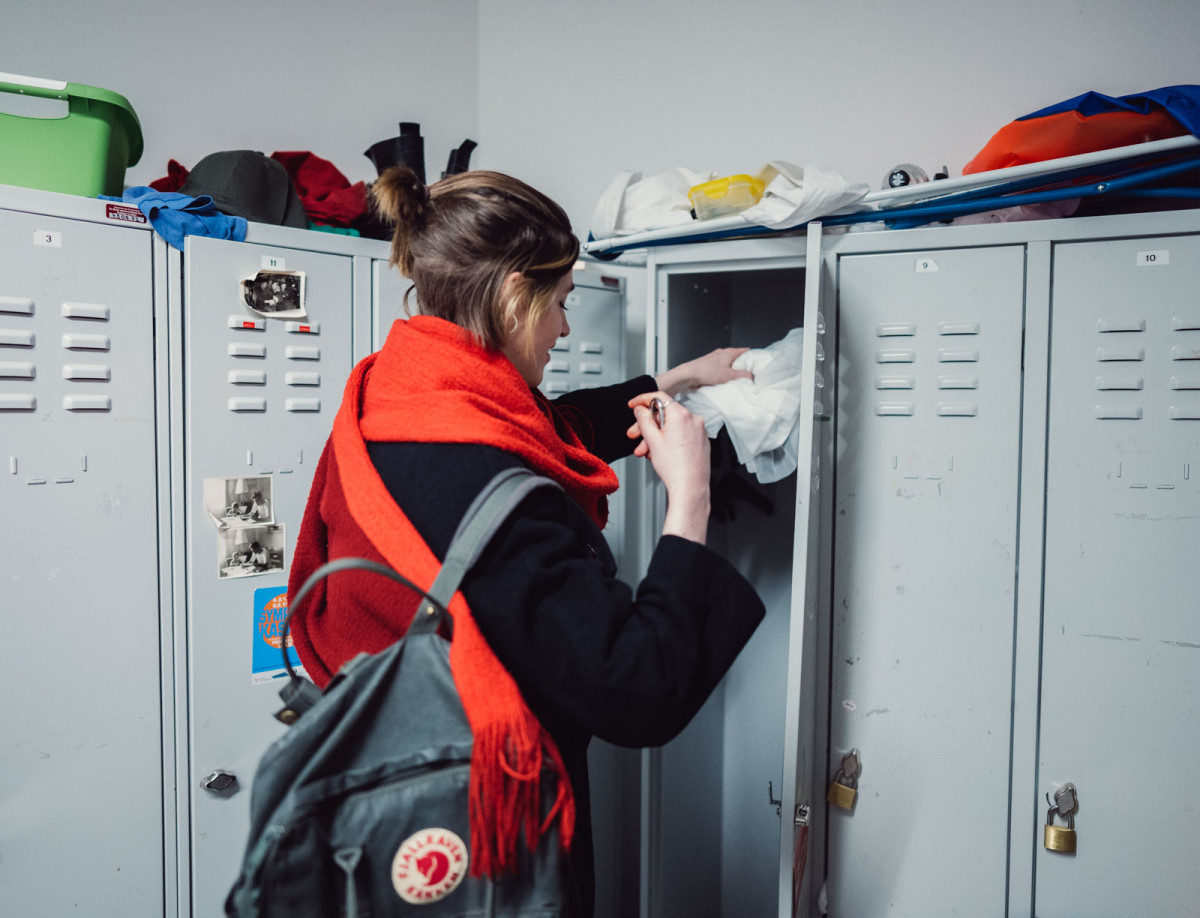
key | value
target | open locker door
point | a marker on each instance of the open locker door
(711, 797)
(800, 727)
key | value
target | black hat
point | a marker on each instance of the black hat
(245, 183)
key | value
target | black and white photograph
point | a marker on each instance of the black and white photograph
(239, 501)
(275, 294)
(247, 551)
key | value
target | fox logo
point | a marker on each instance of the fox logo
(429, 865)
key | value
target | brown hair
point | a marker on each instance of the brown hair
(458, 239)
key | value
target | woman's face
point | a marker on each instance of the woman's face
(529, 348)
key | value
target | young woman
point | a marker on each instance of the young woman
(449, 401)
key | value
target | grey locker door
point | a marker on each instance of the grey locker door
(925, 528)
(81, 761)
(1121, 639)
(260, 397)
(712, 834)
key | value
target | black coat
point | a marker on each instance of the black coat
(591, 657)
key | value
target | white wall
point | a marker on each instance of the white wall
(573, 92)
(567, 93)
(265, 75)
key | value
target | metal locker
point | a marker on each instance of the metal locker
(714, 834)
(260, 394)
(928, 431)
(82, 793)
(1121, 634)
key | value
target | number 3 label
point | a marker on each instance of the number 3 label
(51, 238)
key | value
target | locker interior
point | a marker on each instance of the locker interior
(713, 830)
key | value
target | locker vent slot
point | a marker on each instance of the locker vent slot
(87, 403)
(248, 323)
(17, 402)
(74, 341)
(1185, 382)
(302, 404)
(17, 305)
(247, 404)
(1119, 382)
(16, 337)
(591, 347)
(1117, 412)
(1186, 323)
(1104, 354)
(302, 379)
(247, 350)
(302, 353)
(958, 382)
(896, 409)
(1120, 325)
(303, 328)
(895, 356)
(957, 355)
(949, 410)
(958, 328)
(895, 329)
(93, 371)
(1184, 413)
(1185, 353)
(16, 370)
(248, 377)
(94, 311)
(895, 382)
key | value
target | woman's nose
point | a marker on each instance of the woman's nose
(566, 328)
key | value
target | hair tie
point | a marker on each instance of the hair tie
(424, 195)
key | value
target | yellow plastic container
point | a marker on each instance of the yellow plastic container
(84, 149)
(724, 196)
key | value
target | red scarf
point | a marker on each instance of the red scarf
(432, 383)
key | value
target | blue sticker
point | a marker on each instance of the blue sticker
(270, 612)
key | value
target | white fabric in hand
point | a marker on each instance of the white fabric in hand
(761, 414)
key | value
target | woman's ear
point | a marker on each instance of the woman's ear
(509, 287)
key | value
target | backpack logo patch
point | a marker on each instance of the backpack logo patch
(429, 865)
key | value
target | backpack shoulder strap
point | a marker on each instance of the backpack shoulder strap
(486, 514)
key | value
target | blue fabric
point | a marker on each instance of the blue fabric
(1180, 102)
(175, 215)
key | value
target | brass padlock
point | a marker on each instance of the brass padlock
(844, 789)
(841, 795)
(1060, 839)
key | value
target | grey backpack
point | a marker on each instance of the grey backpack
(360, 809)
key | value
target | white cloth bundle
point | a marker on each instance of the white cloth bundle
(792, 195)
(761, 414)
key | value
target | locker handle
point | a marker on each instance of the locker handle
(219, 780)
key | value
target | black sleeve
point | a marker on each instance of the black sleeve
(631, 668)
(587, 651)
(601, 416)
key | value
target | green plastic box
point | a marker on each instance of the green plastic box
(84, 152)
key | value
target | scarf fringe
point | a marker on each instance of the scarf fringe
(505, 795)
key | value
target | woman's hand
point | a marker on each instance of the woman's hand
(713, 368)
(679, 452)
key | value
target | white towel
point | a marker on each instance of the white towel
(761, 414)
